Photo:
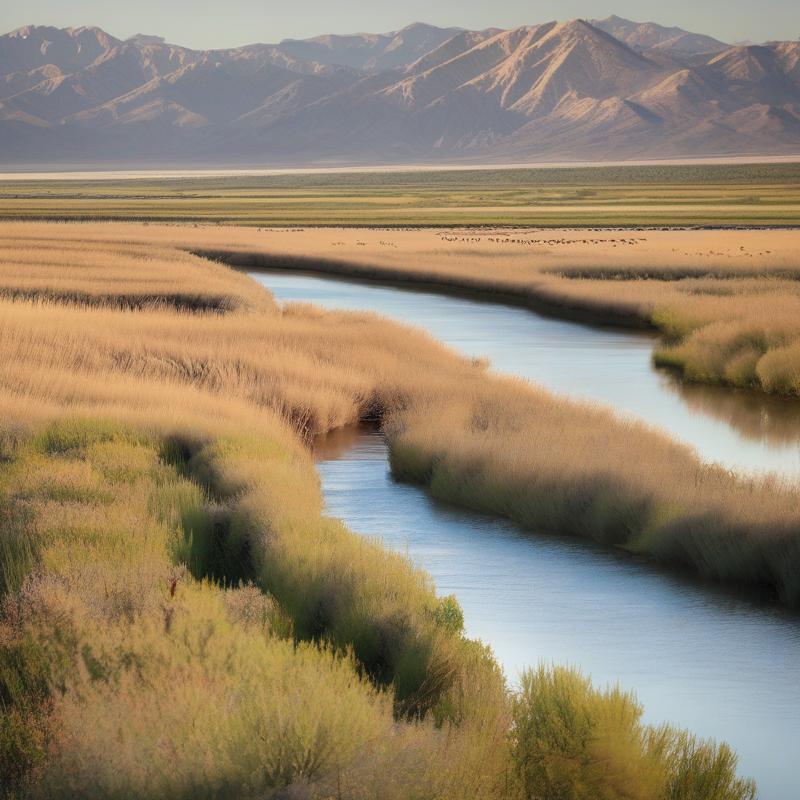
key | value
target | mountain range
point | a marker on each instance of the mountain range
(583, 90)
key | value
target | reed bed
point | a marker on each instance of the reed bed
(180, 620)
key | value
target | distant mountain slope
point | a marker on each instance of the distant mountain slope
(649, 35)
(370, 52)
(69, 49)
(612, 89)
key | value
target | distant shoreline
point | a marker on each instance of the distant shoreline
(26, 172)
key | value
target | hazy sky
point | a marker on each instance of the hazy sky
(202, 24)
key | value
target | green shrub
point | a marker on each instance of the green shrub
(574, 742)
(571, 741)
(698, 769)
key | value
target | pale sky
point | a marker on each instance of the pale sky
(227, 23)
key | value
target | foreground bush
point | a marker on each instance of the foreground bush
(574, 742)
(124, 674)
(211, 709)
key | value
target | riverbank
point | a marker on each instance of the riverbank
(152, 458)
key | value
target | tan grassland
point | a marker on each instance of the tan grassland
(726, 301)
(151, 454)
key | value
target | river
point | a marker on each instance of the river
(696, 655)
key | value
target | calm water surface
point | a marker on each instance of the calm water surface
(696, 655)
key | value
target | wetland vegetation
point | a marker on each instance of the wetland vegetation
(450, 425)
(166, 560)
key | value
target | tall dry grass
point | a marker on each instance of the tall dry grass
(152, 457)
(726, 301)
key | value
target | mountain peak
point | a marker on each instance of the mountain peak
(77, 31)
(144, 38)
(422, 26)
(371, 52)
(576, 24)
(26, 31)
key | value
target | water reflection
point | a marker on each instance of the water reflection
(338, 443)
(753, 415)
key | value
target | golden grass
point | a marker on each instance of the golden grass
(726, 301)
(131, 276)
(140, 437)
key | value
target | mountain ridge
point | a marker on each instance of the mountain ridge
(580, 89)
